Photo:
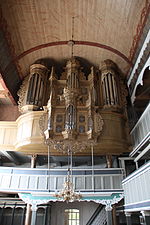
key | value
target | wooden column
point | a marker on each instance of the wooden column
(23, 216)
(12, 216)
(117, 218)
(2, 213)
(109, 216)
(28, 215)
(128, 218)
(49, 215)
(33, 217)
(28, 209)
(109, 161)
(114, 215)
(45, 215)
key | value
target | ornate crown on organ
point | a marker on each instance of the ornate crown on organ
(73, 103)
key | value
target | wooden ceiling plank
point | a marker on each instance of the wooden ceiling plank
(109, 22)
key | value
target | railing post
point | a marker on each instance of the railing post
(93, 186)
(109, 161)
(28, 211)
(33, 161)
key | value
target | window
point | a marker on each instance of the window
(71, 217)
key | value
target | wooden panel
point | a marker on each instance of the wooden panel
(24, 180)
(141, 131)
(29, 136)
(24, 135)
(8, 131)
(109, 22)
(136, 186)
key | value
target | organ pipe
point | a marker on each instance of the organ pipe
(110, 84)
(109, 88)
(37, 85)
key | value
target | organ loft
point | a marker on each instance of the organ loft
(73, 110)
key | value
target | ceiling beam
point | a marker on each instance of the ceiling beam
(10, 156)
(143, 97)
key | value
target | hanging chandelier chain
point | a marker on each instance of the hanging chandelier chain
(68, 193)
(72, 37)
(72, 28)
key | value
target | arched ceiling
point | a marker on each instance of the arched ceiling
(34, 29)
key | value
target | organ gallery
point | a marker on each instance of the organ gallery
(73, 109)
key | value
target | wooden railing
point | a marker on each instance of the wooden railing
(140, 134)
(43, 180)
(136, 188)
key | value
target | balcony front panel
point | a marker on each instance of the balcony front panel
(140, 134)
(136, 189)
(29, 136)
(42, 180)
(26, 135)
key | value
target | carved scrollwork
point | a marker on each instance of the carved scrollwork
(73, 133)
(124, 93)
(109, 202)
(22, 93)
(43, 122)
(74, 145)
(98, 122)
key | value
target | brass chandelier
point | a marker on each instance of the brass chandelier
(68, 193)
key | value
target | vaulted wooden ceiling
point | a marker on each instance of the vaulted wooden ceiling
(35, 29)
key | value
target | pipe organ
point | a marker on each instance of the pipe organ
(76, 111)
(35, 85)
(81, 124)
(109, 86)
(111, 83)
